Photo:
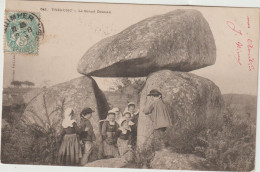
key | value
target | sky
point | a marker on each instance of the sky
(68, 35)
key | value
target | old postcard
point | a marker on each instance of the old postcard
(130, 86)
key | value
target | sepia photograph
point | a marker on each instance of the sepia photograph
(130, 86)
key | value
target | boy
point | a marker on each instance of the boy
(86, 135)
(160, 117)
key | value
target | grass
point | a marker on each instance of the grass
(30, 143)
(229, 147)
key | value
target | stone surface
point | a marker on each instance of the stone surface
(107, 163)
(47, 108)
(192, 101)
(30, 95)
(168, 160)
(180, 40)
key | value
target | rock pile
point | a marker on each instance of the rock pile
(164, 48)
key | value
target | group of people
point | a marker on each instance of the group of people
(78, 140)
(118, 131)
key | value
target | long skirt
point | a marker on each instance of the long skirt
(125, 153)
(70, 150)
(122, 146)
(110, 150)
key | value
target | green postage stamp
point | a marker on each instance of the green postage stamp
(22, 32)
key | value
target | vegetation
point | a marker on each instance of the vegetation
(20, 83)
(232, 147)
(28, 143)
(136, 83)
(125, 91)
(229, 147)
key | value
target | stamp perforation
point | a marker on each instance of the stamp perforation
(40, 31)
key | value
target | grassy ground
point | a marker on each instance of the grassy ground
(231, 147)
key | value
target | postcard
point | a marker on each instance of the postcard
(130, 86)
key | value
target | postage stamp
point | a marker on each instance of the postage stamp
(22, 32)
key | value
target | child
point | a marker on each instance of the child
(87, 135)
(132, 126)
(127, 117)
(124, 141)
(109, 130)
(160, 117)
(70, 151)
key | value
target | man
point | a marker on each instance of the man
(160, 117)
(86, 135)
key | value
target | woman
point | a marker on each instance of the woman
(124, 141)
(118, 115)
(70, 150)
(109, 130)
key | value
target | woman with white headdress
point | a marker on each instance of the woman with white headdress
(70, 149)
(124, 141)
(108, 131)
(118, 114)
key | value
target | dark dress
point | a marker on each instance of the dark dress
(134, 128)
(70, 150)
(124, 139)
(109, 136)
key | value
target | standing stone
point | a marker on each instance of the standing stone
(193, 101)
(46, 109)
(33, 93)
(180, 40)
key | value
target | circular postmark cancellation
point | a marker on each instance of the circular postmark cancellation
(22, 32)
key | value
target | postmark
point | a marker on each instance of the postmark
(23, 30)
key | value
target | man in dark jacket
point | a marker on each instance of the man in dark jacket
(160, 117)
(86, 135)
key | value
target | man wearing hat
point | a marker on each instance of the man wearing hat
(86, 134)
(160, 117)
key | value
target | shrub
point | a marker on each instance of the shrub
(143, 156)
(15, 144)
(232, 146)
(28, 143)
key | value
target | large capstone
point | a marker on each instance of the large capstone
(180, 40)
(195, 104)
